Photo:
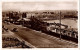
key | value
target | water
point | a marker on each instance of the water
(69, 22)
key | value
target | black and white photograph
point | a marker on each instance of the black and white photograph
(48, 24)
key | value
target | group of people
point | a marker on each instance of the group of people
(4, 28)
(9, 39)
(13, 42)
(70, 33)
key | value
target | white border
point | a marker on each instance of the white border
(37, 1)
(1, 25)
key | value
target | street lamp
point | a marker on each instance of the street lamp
(60, 24)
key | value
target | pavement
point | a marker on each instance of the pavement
(39, 39)
(11, 34)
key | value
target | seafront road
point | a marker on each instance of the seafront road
(39, 39)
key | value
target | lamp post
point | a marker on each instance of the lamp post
(60, 24)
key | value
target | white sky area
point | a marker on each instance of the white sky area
(46, 5)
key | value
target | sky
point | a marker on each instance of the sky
(46, 5)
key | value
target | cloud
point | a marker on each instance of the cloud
(32, 6)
